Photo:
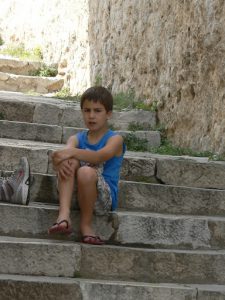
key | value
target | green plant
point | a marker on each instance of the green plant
(65, 94)
(129, 100)
(1, 41)
(124, 100)
(32, 93)
(217, 157)
(76, 274)
(22, 53)
(98, 80)
(48, 72)
(141, 104)
(135, 126)
(38, 52)
(135, 144)
(167, 148)
(45, 71)
(2, 117)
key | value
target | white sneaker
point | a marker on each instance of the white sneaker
(15, 189)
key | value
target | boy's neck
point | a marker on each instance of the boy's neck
(95, 136)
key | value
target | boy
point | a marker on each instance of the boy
(15, 189)
(94, 157)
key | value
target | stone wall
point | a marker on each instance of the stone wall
(59, 27)
(169, 51)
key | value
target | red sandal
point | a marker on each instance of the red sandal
(57, 228)
(92, 240)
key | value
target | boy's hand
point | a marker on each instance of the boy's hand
(65, 170)
(59, 156)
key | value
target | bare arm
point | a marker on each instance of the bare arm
(114, 147)
(64, 168)
(72, 142)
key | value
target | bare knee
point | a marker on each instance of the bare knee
(86, 175)
(74, 164)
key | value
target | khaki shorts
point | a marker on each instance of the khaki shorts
(103, 204)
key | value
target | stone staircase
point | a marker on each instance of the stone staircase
(166, 241)
(15, 77)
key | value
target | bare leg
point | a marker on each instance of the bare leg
(87, 195)
(65, 187)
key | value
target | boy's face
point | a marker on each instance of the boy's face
(95, 115)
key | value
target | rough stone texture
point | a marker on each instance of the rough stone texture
(137, 196)
(47, 114)
(175, 55)
(72, 117)
(18, 67)
(158, 230)
(53, 133)
(10, 156)
(187, 172)
(26, 288)
(216, 294)
(121, 120)
(21, 83)
(132, 291)
(58, 112)
(37, 154)
(38, 257)
(44, 189)
(30, 131)
(35, 220)
(16, 111)
(138, 169)
(153, 265)
(39, 24)
(154, 230)
(172, 199)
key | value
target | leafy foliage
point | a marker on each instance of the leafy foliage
(45, 71)
(22, 53)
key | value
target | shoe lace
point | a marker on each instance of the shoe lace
(4, 178)
(10, 178)
(30, 180)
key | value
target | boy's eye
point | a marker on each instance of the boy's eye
(97, 110)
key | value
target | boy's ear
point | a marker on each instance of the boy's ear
(109, 114)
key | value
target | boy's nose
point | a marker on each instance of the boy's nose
(92, 114)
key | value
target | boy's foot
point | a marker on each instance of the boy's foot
(61, 227)
(15, 189)
(92, 239)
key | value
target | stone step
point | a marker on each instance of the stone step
(23, 83)
(163, 198)
(121, 227)
(21, 287)
(140, 196)
(68, 259)
(137, 166)
(39, 156)
(45, 110)
(60, 134)
(39, 257)
(153, 265)
(18, 67)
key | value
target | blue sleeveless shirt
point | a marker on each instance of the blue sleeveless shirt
(111, 167)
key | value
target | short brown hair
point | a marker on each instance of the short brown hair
(98, 93)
